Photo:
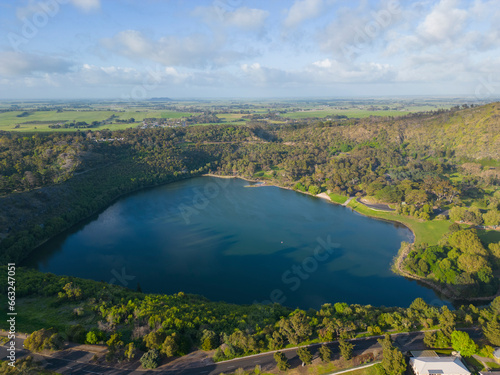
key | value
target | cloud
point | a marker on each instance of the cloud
(52, 7)
(355, 30)
(445, 22)
(86, 5)
(18, 63)
(332, 71)
(197, 50)
(243, 18)
(303, 10)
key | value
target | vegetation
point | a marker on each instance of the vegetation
(281, 361)
(441, 182)
(393, 362)
(23, 366)
(44, 340)
(462, 343)
(132, 323)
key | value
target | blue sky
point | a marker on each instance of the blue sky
(242, 48)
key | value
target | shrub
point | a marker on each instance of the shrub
(150, 359)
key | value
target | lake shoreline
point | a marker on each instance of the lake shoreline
(322, 195)
(400, 257)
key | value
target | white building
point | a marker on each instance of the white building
(438, 366)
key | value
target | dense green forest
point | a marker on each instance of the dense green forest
(438, 168)
(131, 323)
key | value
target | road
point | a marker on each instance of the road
(76, 362)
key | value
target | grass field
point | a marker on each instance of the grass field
(429, 232)
(9, 120)
(42, 312)
(340, 199)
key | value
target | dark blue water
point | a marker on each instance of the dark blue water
(227, 241)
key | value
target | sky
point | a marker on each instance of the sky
(131, 49)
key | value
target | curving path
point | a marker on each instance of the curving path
(376, 206)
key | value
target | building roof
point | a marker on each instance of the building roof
(440, 365)
(424, 353)
(496, 353)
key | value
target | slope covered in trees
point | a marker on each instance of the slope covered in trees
(423, 164)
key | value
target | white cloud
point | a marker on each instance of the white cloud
(19, 63)
(87, 5)
(444, 23)
(326, 63)
(303, 10)
(335, 71)
(248, 68)
(196, 50)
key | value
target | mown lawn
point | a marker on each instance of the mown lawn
(340, 199)
(429, 232)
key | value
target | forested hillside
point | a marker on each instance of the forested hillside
(131, 323)
(421, 164)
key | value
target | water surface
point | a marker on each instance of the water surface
(227, 241)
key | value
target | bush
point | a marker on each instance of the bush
(314, 190)
(94, 337)
(44, 339)
(150, 359)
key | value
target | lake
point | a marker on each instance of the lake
(228, 240)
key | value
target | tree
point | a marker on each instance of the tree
(44, 339)
(468, 241)
(457, 213)
(314, 190)
(462, 343)
(94, 337)
(130, 351)
(416, 197)
(281, 361)
(325, 353)
(430, 339)
(446, 321)
(170, 347)
(492, 331)
(492, 217)
(115, 341)
(346, 349)
(304, 355)
(296, 328)
(154, 339)
(150, 359)
(393, 361)
(276, 341)
(208, 340)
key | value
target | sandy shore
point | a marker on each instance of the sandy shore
(324, 196)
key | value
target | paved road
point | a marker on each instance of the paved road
(76, 362)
